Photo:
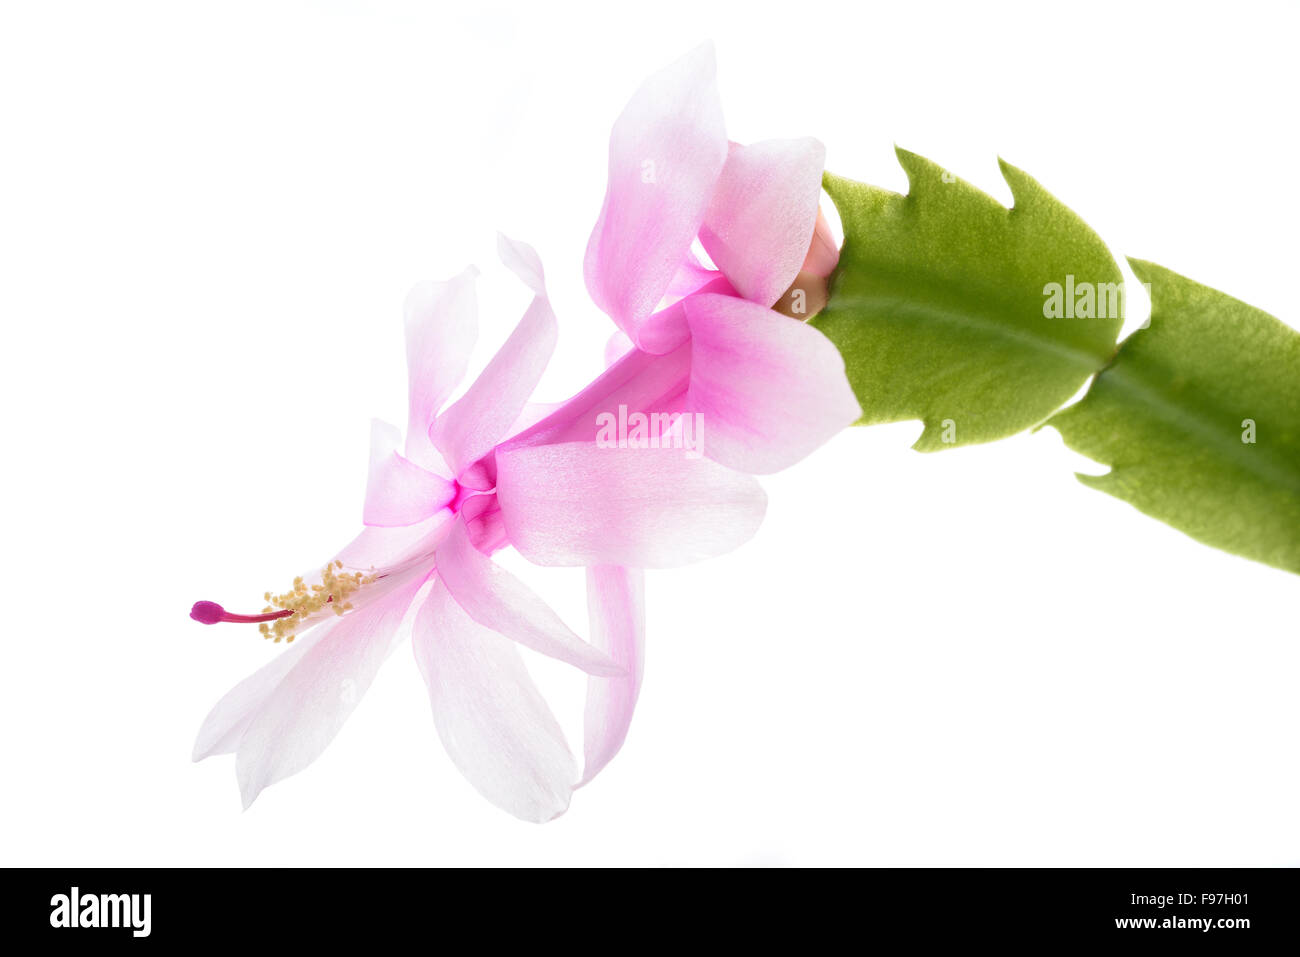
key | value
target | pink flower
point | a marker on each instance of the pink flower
(434, 514)
(484, 472)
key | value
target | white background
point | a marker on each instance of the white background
(209, 217)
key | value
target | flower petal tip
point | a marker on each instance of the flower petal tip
(248, 794)
(557, 815)
(522, 260)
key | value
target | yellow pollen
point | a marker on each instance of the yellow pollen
(304, 600)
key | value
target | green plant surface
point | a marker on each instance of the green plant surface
(1198, 417)
(938, 304)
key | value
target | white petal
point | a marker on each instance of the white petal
(229, 717)
(318, 694)
(490, 716)
(441, 327)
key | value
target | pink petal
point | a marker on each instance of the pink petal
(399, 492)
(760, 221)
(663, 331)
(616, 605)
(490, 716)
(691, 276)
(441, 326)
(666, 152)
(484, 414)
(771, 389)
(310, 704)
(667, 329)
(577, 504)
(499, 601)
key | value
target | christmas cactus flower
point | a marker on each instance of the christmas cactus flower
(708, 360)
(434, 516)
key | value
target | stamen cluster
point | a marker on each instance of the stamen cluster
(305, 600)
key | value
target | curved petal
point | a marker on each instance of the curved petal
(761, 218)
(490, 716)
(770, 388)
(663, 331)
(578, 504)
(666, 152)
(667, 330)
(309, 705)
(497, 600)
(399, 492)
(616, 606)
(477, 420)
(691, 276)
(441, 327)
